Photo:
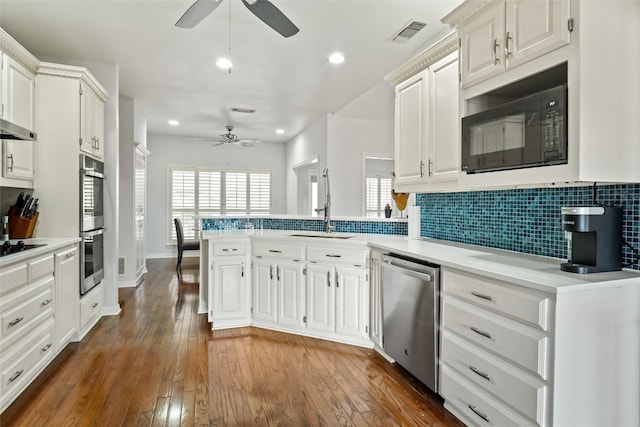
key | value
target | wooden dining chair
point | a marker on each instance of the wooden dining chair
(182, 246)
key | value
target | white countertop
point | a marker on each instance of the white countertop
(51, 244)
(537, 272)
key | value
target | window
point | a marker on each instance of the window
(195, 191)
(378, 194)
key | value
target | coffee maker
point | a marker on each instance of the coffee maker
(594, 239)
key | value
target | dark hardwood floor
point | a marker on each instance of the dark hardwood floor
(158, 363)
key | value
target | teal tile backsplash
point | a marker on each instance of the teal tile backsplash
(522, 220)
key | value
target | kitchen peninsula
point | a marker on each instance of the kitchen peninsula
(542, 331)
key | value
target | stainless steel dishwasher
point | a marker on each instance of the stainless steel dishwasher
(411, 315)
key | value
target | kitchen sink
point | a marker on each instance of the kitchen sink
(323, 236)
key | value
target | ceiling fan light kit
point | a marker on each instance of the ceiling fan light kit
(231, 139)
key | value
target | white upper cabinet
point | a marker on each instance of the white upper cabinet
(17, 94)
(91, 122)
(427, 143)
(507, 33)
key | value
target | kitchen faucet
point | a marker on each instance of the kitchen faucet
(327, 203)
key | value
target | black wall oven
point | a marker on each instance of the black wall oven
(91, 222)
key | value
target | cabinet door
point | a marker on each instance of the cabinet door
(410, 132)
(352, 308)
(229, 294)
(375, 331)
(535, 27)
(66, 294)
(18, 160)
(444, 123)
(97, 117)
(18, 93)
(481, 44)
(320, 298)
(290, 286)
(86, 132)
(263, 290)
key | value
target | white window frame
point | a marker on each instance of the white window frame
(197, 211)
(380, 210)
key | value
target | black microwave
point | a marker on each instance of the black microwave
(526, 132)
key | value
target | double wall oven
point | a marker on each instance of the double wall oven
(91, 222)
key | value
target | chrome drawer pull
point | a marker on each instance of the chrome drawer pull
(229, 249)
(480, 332)
(15, 377)
(47, 302)
(333, 256)
(15, 322)
(45, 348)
(95, 304)
(70, 255)
(479, 372)
(478, 413)
(482, 296)
(274, 251)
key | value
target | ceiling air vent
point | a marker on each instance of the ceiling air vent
(408, 31)
(243, 110)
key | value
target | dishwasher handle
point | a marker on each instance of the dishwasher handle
(387, 265)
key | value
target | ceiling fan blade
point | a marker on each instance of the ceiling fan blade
(272, 16)
(197, 12)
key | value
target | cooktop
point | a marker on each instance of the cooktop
(8, 248)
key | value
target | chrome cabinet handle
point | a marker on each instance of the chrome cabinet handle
(494, 54)
(480, 373)
(45, 348)
(482, 296)
(274, 251)
(421, 167)
(15, 322)
(480, 332)
(10, 157)
(507, 52)
(47, 302)
(478, 413)
(328, 279)
(242, 270)
(278, 273)
(333, 256)
(337, 280)
(69, 255)
(95, 304)
(229, 249)
(15, 377)
(430, 166)
(271, 272)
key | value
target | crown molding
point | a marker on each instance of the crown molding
(10, 46)
(463, 12)
(73, 72)
(424, 59)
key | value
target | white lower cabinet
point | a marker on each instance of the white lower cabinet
(290, 293)
(320, 298)
(90, 309)
(66, 296)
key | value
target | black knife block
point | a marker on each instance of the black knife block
(21, 227)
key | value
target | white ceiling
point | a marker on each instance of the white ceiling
(171, 72)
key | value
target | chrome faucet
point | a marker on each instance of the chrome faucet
(327, 203)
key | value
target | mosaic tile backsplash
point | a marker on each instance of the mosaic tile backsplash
(523, 220)
(366, 226)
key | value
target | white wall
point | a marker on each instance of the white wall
(171, 150)
(311, 143)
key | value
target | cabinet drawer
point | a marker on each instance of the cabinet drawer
(24, 361)
(521, 344)
(40, 267)
(524, 392)
(278, 250)
(90, 306)
(229, 248)
(476, 405)
(13, 277)
(21, 315)
(353, 256)
(528, 307)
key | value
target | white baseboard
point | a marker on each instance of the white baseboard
(113, 310)
(127, 283)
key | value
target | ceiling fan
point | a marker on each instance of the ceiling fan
(263, 9)
(232, 139)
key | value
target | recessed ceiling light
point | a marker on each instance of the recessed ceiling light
(336, 58)
(224, 63)
(174, 122)
(280, 131)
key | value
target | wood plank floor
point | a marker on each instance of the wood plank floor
(159, 364)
